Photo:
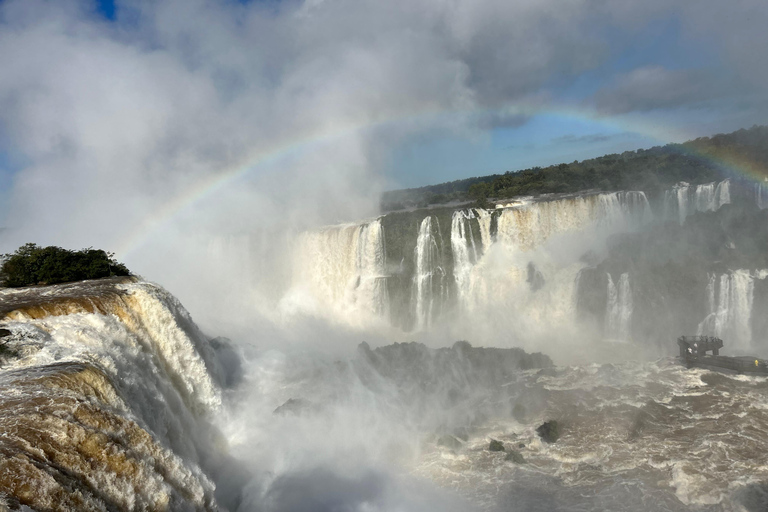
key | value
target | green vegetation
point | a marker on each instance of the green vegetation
(698, 161)
(31, 264)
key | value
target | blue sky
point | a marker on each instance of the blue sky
(550, 137)
(125, 105)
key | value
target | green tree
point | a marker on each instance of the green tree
(31, 264)
(480, 193)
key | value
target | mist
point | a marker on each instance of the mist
(149, 134)
(235, 152)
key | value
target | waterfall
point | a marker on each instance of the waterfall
(618, 314)
(484, 218)
(705, 197)
(682, 203)
(463, 246)
(530, 225)
(371, 262)
(730, 297)
(761, 195)
(708, 197)
(342, 269)
(635, 205)
(104, 404)
(429, 290)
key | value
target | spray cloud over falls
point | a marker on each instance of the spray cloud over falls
(207, 142)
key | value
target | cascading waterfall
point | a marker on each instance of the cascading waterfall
(618, 314)
(761, 195)
(104, 406)
(484, 219)
(730, 297)
(371, 262)
(705, 197)
(429, 291)
(677, 200)
(342, 268)
(708, 197)
(515, 275)
(465, 253)
(529, 226)
(635, 206)
(722, 194)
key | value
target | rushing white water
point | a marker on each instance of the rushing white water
(531, 225)
(731, 298)
(123, 371)
(429, 291)
(761, 195)
(618, 314)
(340, 271)
(680, 192)
(524, 282)
(722, 194)
(708, 197)
(705, 197)
(484, 219)
(465, 253)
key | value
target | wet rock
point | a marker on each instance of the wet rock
(4, 333)
(549, 431)
(535, 277)
(232, 368)
(496, 446)
(295, 406)
(449, 441)
(515, 456)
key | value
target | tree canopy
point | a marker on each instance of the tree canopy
(697, 161)
(31, 264)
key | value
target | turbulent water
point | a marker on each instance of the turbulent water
(516, 270)
(111, 398)
(460, 265)
(650, 436)
(105, 395)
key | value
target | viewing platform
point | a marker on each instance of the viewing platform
(693, 351)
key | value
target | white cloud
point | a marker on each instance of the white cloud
(115, 120)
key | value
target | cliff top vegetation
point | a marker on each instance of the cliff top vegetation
(697, 161)
(31, 264)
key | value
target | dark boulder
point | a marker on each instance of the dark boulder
(496, 446)
(549, 431)
(515, 456)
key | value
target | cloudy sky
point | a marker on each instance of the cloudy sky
(116, 117)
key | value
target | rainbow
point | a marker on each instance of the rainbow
(261, 159)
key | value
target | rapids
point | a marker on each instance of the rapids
(112, 399)
(106, 392)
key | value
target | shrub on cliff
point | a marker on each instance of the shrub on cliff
(31, 264)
